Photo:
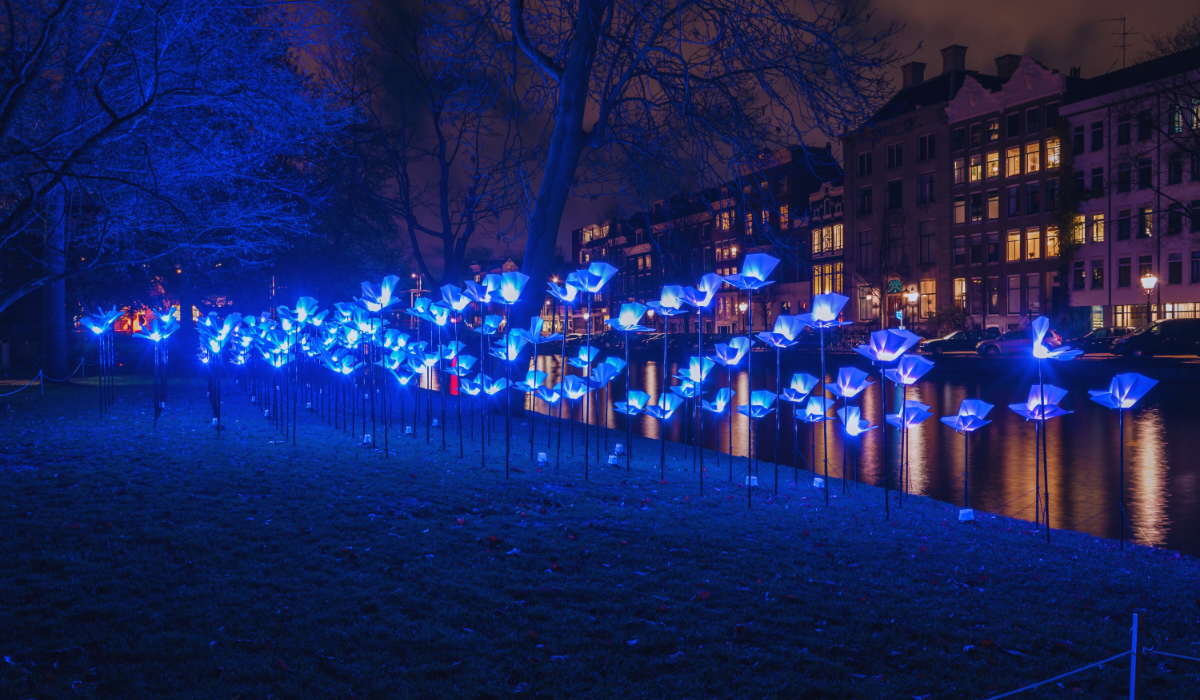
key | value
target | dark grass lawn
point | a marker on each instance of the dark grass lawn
(168, 563)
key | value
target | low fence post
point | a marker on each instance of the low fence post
(1135, 660)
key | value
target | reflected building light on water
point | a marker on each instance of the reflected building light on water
(1148, 504)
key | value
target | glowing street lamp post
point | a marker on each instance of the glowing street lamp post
(1149, 282)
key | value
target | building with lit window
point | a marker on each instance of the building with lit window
(1135, 144)
(1005, 258)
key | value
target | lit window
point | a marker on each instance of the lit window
(1033, 157)
(1033, 243)
(1012, 161)
(1052, 153)
(1098, 228)
(993, 164)
(976, 168)
(960, 171)
(1014, 245)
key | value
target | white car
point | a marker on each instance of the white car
(1018, 342)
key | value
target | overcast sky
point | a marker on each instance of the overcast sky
(1059, 33)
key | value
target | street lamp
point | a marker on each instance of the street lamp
(742, 307)
(911, 298)
(1149, 282)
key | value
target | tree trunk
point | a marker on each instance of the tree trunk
(562, 159)
(54, 294)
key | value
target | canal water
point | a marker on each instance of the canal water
(1162, 437)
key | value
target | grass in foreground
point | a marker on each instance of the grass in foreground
(172, 563)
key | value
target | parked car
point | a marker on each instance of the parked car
(958, 341)
(1018, 342)
(1099, 340)
(1174, 336)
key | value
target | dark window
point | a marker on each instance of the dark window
(1077, 139)
(1079, 183)
(1195, 168)
(960, 251)
(895, 194)
(1051, 194)
(1097, 181)
(1175, 268)
(1051, 115)
(1124, 271)
(1145, 123)
(1097, 274)
(864, 163)
(926, 147)
(1145, 173)
(1123, 132)
(1014, 201)
(976, 135)
(976, 206)
(1078, 275)
(864, 200)
(864, 250)
(1033, 120)
(1195, 216)
(1145, 265)
(895, 155)
(1012, 126)
(1123, 225)
(993, 247)
(1195, 278)
(925, 188)
(1145, 222)
(1124, 177)
(993, 130)
(1033, 198)
(958, 139)
(1175, 219)
(976, 249)
(1097, 135)
(1175, 168)
(928, 244)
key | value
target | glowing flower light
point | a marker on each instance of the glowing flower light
(697, 369)
(825, 311)
(851, 382)
(911, 413)
(731, 354)
(756, 267)
(1041, 327)
(856, 425)
(760, 404)
(511, 285)
(701, 296)
(666, 407)
(1124, 391)
(453, 297)
(630, 318)
(1042, 403)
(887, 346)
(379, 298)
(971, 415)
(510, 348)
(719, 402)
(585, 357)
(634, 404)
(799, 389)
(908, 370)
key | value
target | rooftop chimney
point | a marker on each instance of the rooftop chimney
(954, 57)
(1006, 65)
(914, 73)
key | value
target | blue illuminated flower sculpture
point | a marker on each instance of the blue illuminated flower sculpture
(730, 355)
(1124, 391)
(787, 328)
(1041, 406)
(101, 325)
(378, 298)
(850, 382)
(906, 372)
(161, 327)
(567, 295)
(591, 280)
(826, 309)
(855, 425)
(884, 349)
(971, 417)
(761, 404)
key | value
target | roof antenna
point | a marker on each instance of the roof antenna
(1124, 37)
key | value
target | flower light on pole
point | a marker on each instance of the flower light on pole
(826, 308)
(855, 425)
(700, 298)
(663, 410)
(1124, 391)
(761, 404)
(783, 336)
(907, 371)
(730, 355)
(884, 349)
(1041, 351)
(1041, 406)
(629, 320)
(971, 417)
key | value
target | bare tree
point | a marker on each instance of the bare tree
(133, 133)
(688, 86)
(445, 133)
